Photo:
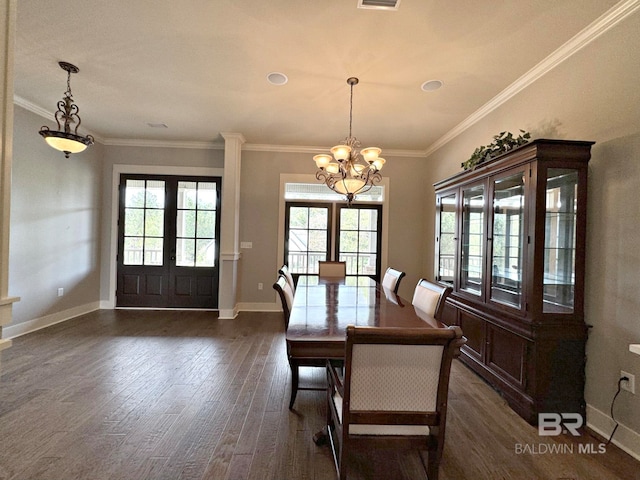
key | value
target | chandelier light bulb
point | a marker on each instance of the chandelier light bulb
(370, 153)
(322, 160)
(341, 152)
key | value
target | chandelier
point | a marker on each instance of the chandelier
(348, 171)
(63, 139)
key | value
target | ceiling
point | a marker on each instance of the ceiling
(200, 66)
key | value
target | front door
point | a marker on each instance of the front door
(168, 241)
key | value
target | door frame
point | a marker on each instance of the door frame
(119, 169)
(310, 178)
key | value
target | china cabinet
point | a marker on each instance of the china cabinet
(510, 241)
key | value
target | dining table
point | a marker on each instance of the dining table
(324, 306)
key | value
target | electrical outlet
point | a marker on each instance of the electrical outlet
(60, 292)
(628, 385)
(260, 286)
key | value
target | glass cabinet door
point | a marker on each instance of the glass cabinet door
(560, 240)
(447, 238)
(471, 257)
(508, 239)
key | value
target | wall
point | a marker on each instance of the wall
(593, 95)
(259, 204)
(55, 226)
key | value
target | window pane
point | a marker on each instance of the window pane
(153, 251)
(155, 194)
(205, 253)
(472, 239)
(186, 223)
(318, 218)
(134, 193)
(447, 239)
(560, 240)
(154, 223)
(368, 242)
(132, 251)
(348, 241)
(133, 221)
(185, 252)
(187, 192)
(348, 219)
(368, 219)
(298, 240)
(508, 239)
(298, 217)
(206, 224)
(207, 196)
(317, 241)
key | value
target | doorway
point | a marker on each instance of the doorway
(168, 241)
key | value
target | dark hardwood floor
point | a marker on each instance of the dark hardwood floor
(182, 395)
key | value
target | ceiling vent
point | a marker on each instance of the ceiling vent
(379, 4)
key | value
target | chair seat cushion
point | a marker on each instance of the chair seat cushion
(419, 430)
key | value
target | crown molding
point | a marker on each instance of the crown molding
(132, 142)
(605, 22)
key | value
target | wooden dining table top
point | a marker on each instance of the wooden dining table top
(324, 306)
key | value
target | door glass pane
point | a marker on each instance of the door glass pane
(144, 222)
(134, 222)
(154, 223)
(472, 239)
(185, 252)
(447, 239)
(153, 251)
(560, 240)
(205, 252)
(155, 194)
(206, 224)
(186, 223)
(508, 240)
(308, 241)
(207, 195)
(133, 250)
(359, 239)
(196, 224)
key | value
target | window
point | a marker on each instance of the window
(311, 235)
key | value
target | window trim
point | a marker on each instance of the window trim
(310, 178)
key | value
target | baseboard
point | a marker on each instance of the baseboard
(259, 307)
(22, 328)
(624, 438)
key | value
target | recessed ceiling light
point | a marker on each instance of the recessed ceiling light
(431, 85)
(277, 78)
(158, 125)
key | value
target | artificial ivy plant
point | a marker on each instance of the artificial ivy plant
(502, 143)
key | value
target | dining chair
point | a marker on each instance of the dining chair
(283, 287)
(393, 393)
(284, 270)
(332, 269)
(430, 298)
(286, 294)
(392, 278)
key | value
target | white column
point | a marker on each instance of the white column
(7, 38)
(230, 226)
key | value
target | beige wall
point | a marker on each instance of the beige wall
(259, 203)
(594, 95)
(55, 225)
